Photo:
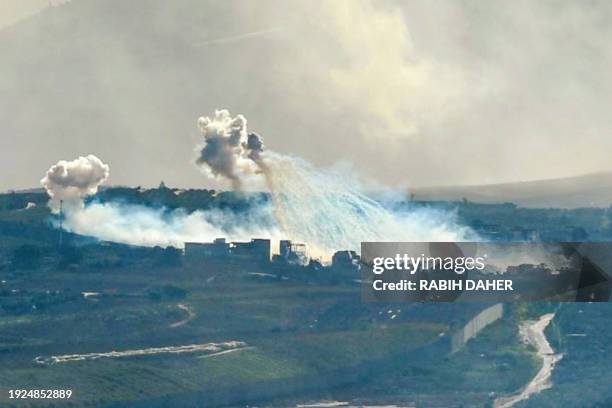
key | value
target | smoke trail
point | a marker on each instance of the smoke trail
(321, 208)
(72, 181)
(327, 210)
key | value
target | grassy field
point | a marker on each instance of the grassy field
(299, 336)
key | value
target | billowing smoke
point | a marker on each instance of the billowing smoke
(72, 181)
(141, 225)
(323, 209)
(326, 210)
(228, 151)
(329, 211)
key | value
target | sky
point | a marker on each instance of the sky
(12, 11)
(407, 93)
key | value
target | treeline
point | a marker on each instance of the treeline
(190, 200)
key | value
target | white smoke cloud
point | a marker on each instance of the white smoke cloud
(329, 210)
(228, 151)
(363, 64)
(326, 210)
(72, 181)
(140, 225)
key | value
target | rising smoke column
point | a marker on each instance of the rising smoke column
(72, 181)
(325, 210)
(228, 151)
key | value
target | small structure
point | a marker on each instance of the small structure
(218, 248)
(292, 252)
(346, 261)
(256, 250)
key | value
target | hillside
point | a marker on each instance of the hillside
(591, 190)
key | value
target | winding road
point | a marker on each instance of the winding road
(532, 332)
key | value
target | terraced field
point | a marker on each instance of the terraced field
(296, 337)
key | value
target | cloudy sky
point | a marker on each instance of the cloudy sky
(12, 11)
(409, 93)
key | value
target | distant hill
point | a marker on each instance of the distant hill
(591, 190)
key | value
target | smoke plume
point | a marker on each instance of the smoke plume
(330, 211)
(326, 210)
(228, 151)
(141, 225)
(72, 181)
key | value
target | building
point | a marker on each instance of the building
(292, 252)
(256, 250)
(219, 248)
(345, 260)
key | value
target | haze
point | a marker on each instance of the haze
(409, 93)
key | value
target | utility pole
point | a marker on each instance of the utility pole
(61, 219)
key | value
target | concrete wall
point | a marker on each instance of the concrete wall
(474, 326)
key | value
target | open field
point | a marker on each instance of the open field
(291, 331)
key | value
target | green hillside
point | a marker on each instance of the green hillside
(306, 335)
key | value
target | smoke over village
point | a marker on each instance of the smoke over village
(324, 210)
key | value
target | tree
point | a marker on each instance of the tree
(26, 257)
(170, 256)
(70, 255)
